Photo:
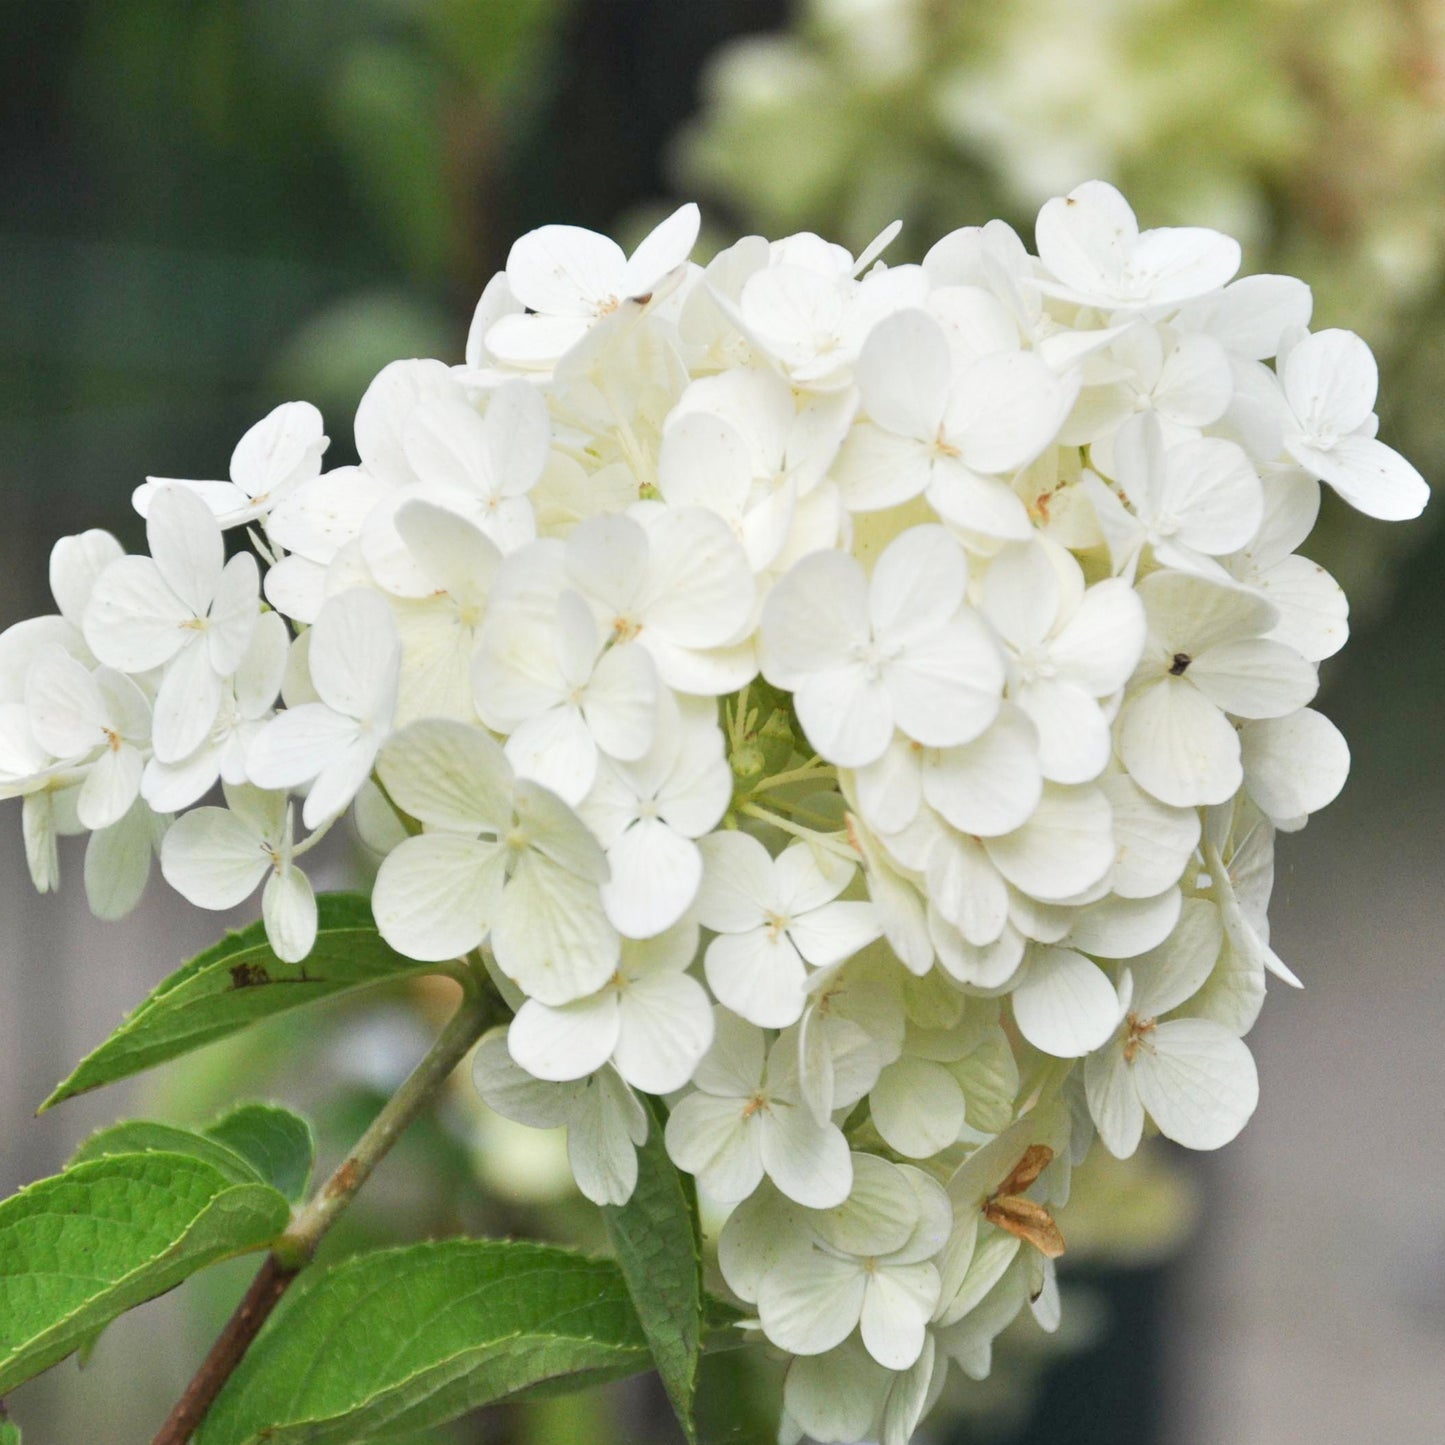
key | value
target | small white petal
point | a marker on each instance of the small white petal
(1065, 1005)
(289, 908)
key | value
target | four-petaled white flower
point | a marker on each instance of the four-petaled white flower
(1330, 380)
(215, 857)
(274, 457)
(569, 279)
(184, 608)
(501, 858)
(650, 1020)
(862, 655)
(353, 658)
(605, 1121)
(746, 1118)
(773, 917)
(870, 1267)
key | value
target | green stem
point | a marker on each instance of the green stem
(293, 1251)
(811, 771)
(832, 842)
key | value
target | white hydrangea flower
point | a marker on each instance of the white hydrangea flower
(215, 857)
(979, 865)
(649, 814)
(1206, 659)
(563, 696)
(869, 1268)
(275, 456)
(1090, 243)
(569, 279)
(354, 659)
(1330, 381)
(501, 858)
(650, 1020)
(953, 436)
(900, 649)
(1192, 1076)
(184, 608)
(247, 698)
(605, 1121)
(1070, 648)
(773, 918)
(75, 713)
(677, 582)
(745, 1118)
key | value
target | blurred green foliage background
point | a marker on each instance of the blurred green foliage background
(211, 206)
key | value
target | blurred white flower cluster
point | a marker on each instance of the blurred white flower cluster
(854, 703)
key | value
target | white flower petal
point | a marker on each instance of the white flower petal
(666, 1028)
(1178, 746)
(737, 882)
(565, 271)
(903, 374)
(355, 655)
(655, 877)
(808, 1162)
(118, 863)
(1294, 765)
(436, 895)
(568, 1042)
(186, 704)
(917, 1106)
(811, 1302)
(757, 975)
(133, 620)
(709, 1137)
(1197, 1081)
(185, 541)
(213, 858)
(289, 908)
(1065, 1004)
(549, 932)
(110, 787)
(896, 1309)
(1114, 1101)
(447, 775)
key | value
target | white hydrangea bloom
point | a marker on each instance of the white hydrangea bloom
(856, 703)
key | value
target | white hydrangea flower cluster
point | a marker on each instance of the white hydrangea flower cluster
(853, 702)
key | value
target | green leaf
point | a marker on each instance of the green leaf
(81, 1248)
(655, 1235)
(275, 1142)
(403, 1339)
(9, 1431)
(237, 982)
(144, 1136)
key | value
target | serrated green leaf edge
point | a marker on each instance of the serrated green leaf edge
(233, 1219)
(291, 1387)
(656, 1239)
(277, 1143)
(241, 968)
(147, 1136)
